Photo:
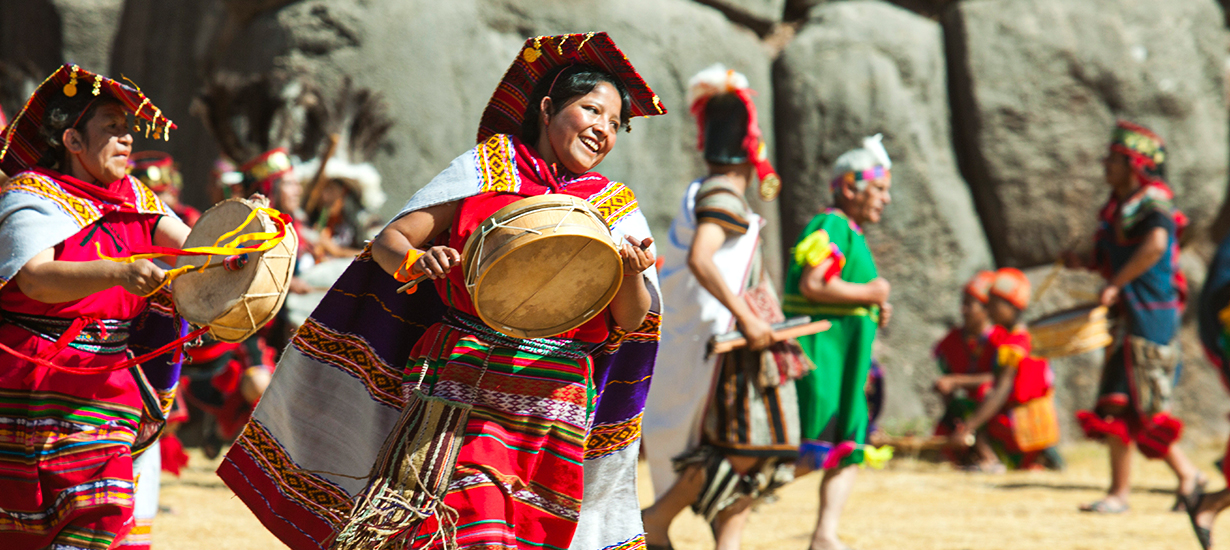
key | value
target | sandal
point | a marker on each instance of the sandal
(1106, 506)
(1180, 501)
(1203, 534)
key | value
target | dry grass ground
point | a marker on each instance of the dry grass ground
(910, 505)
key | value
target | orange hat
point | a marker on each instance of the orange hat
(1012, 285)
(980, 285)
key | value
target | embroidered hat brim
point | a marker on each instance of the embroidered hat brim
(508, 104)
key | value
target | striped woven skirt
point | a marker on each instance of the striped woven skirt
(518, 481)
(66, 467)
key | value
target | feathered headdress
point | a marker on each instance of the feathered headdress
(715, 81)
(359, 117)
(259, 121)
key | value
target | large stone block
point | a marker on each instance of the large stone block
(1037, 87)
(864, 67)
(164, 47)
(437, 65)
(757, 15)
(36, 36)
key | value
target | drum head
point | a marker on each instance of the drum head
(1071, 331)
(233, 303)
(549, 285)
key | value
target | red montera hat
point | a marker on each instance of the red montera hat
(1012, 285)
(21, 147)
(259, 173)
(980, 286)
(506, 109)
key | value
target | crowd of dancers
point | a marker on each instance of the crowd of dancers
(384, 357)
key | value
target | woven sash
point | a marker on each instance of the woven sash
(411, 474)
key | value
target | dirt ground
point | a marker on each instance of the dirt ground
(910, 505)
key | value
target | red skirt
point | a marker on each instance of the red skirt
(66, 474)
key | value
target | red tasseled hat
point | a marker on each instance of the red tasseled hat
(20, 145)
(508, 104)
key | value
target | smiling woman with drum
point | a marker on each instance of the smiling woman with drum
(513, 235)
(575, 115)
(72, 415)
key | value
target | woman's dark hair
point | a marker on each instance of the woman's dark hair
(573, 81)
(62, 111)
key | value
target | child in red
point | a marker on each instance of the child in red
(964, 358)
(1019, 411)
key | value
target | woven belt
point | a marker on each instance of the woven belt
(552, 347)
(102, 336)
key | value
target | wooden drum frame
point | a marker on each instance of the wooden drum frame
(542, 266)
(234, 304)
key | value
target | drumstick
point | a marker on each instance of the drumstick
(791, 330)
(318, 180)
(937, 442)
(231, 263)
(412, 283)
(1050, 278)
(415, 281)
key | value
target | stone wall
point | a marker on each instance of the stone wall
(996, 113)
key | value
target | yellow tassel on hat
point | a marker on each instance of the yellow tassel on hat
(70, 89)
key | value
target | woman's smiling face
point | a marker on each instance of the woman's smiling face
(581, 134)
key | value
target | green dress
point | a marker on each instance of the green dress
(832, 402)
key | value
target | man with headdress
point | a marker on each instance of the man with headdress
(252, 121)
(1136, 249)
(721, 457)
(157, 170)
(341, 206)
(257, 123)
(344, 194)
(77, 408)
(548, 454)
(833, 276)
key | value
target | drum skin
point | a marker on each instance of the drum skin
(542, 266)
(234, 304)
(1071, 331)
